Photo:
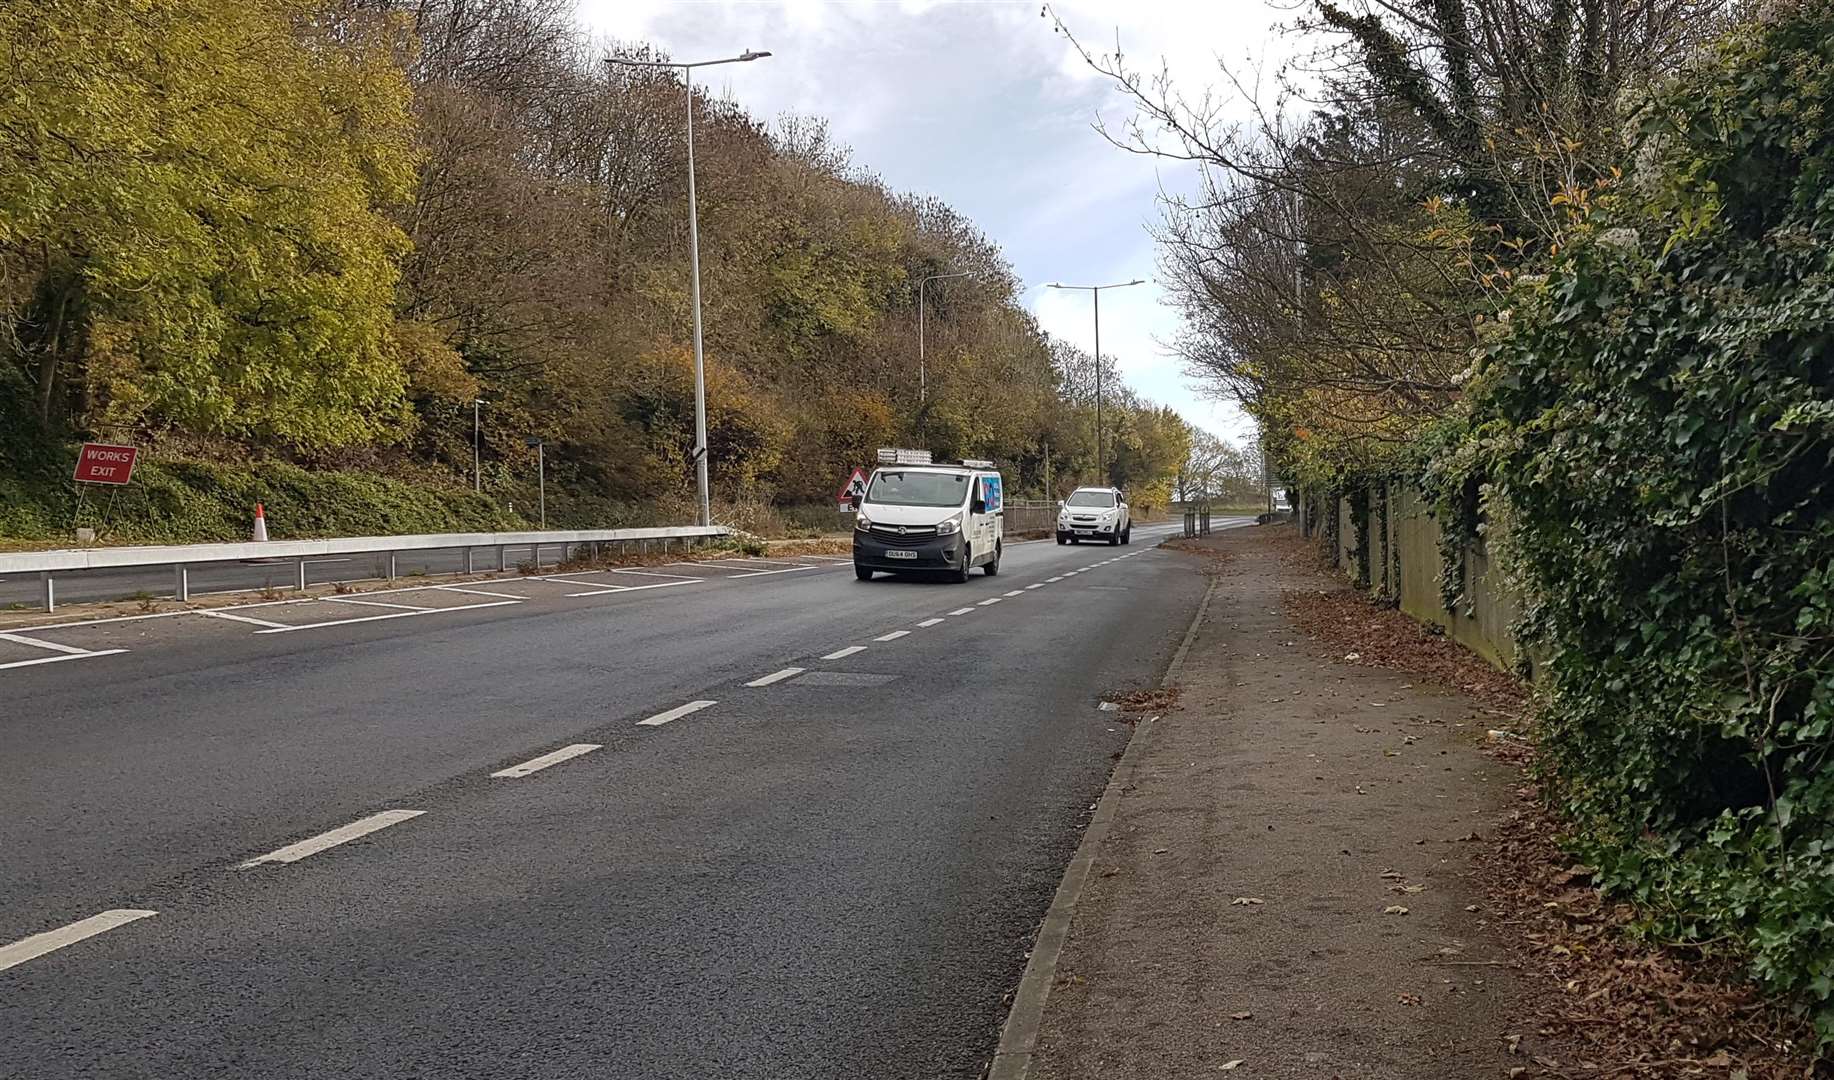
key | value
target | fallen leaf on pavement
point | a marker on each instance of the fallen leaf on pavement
(1394, 909)
(1242, 1016)
(1246, 900)
(1408, 999)
(1228, 1065)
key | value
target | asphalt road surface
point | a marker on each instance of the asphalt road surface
(587, 825)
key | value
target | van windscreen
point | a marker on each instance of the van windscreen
(917, 489)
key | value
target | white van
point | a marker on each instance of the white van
(918, 516)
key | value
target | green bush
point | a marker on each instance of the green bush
(179, 502)
(1659, 419)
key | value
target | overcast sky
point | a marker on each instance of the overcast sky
(980, 104)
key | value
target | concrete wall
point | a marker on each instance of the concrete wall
(1404, 565)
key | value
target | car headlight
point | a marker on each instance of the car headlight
(949, 527)
(862, 523)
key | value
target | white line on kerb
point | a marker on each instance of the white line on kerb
(676, 713)
(1015, 592)
(842, 654)
(52, 940)
(535, 765)
(962, 611)
(893, 636)
(52, 645)
(776, 676)
(343, 834)
(60, 658)
(929, 622)
(992, 600)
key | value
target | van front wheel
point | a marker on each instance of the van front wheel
(993, 567)
(961, 572)
(862, 573)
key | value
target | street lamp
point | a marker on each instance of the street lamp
(700, 370)
(477, 473)
(923, 381)
(541, 472)
(1095, 291)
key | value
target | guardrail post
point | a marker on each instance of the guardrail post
(391, 566)
(300, 580)
(502, 557)
(181, 583)
(47, 590)
(468, 560)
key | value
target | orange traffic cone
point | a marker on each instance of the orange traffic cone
(260, 525)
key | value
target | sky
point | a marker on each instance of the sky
(983, 106)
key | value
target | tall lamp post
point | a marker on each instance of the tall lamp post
(923, 379)
(700, 368)
(477, 469)
(1101, 459)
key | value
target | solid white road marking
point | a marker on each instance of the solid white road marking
(993, 600)
(535, 765)
(893, 636)
(240, 618)
(343, 834)
(765, 573)
(390, 615)
(777, 676)
(929, 622)
(373, 603)
(480, 592)
(602, 589)
(676, 713)
(1015, 592)
(60, 658)
(52, 645)
(52, 940)
(962, 611)
(652, 573)
(841, 654)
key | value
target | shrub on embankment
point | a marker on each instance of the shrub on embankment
(1658, 422)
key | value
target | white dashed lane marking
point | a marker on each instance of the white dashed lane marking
(962, 611)
(842, 654)
(893, 636)
(929, 622)
(776, 676)
(991, 600)
(343, 834)
(535, 765)
(52, 940)
(676, 713)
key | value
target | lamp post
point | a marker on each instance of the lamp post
(541, 473)
(700, 369)
(923, 379)
(477, 473)
(1101, 460)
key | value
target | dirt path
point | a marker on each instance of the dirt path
(1285, 892)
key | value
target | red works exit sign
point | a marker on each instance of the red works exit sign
(100, 463)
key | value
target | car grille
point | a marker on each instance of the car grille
(914, 535)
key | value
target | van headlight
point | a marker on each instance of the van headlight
(862, 523)
(949, 527)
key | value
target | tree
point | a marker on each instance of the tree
(191, 216)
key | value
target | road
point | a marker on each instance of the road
(728, 869)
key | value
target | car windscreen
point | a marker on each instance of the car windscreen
(1092, 498)
(917, 489)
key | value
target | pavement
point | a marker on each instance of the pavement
(750, 818)
(1287, 886)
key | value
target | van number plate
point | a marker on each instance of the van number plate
(896, 553)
